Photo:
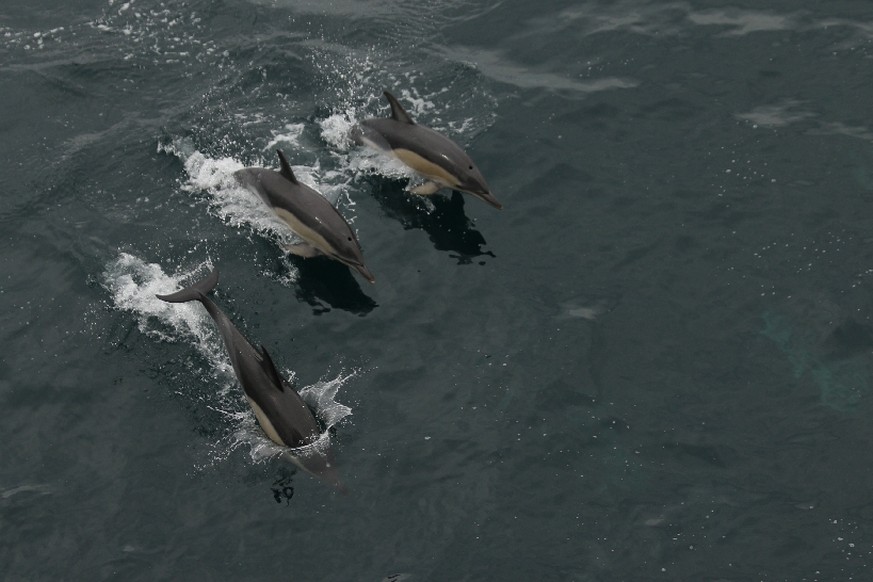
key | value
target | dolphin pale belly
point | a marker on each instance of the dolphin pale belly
(430, 154)
(281, 412)
(306, 212)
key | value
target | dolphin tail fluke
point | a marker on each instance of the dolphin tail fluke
(195, 292)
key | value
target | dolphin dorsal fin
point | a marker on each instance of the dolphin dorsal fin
(270, 369)
(397, 111)
(286, 168)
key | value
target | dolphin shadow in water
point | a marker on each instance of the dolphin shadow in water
(283, 489)
(326, 285)
(447, 226)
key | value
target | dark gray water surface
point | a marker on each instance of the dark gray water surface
(653, 364)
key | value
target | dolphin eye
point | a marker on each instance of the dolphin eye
(350, 239)
(471, 167)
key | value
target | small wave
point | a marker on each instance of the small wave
(172, 37)
(27, 488)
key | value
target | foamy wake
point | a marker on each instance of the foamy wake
(227, 199)
(132, 284)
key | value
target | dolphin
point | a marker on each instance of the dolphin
(307, 213)
(440, 160)
(281, 412)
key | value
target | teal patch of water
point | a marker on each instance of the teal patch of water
(841, 383)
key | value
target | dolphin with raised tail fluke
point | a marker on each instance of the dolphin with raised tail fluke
(281, 412)
(431, 154)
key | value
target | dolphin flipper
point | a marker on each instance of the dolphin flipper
(425, 189)
(302, 249)
(195, 292)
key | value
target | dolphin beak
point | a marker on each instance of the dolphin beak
(359, 267)
(365, 272)
(488, 198)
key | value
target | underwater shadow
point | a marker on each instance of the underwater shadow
(447, 226)
(310, 459)
(326, 284)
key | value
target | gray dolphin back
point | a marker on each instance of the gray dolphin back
(285, 410)
(309, 214)
(289, 415)
(281, 412)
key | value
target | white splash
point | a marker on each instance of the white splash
(292, 134)
(415, 104)
(320, 397)
(355, 160)
(133, 284)
(227, 199)
(335, 129)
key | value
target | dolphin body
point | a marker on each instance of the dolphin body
(307, 213)
(431, 154)
(281, 412)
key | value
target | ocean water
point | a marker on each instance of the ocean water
(653, 364)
